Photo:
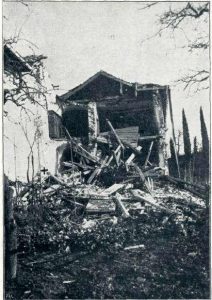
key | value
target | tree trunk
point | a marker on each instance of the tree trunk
(10, 233)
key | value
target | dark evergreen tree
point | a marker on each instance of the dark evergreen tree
(195, 145)
(174, 164)
(186, 137)
(195, 159)
(172, 151)
(204, 133)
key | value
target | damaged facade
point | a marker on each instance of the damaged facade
(141, 114)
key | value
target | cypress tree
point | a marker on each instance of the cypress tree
(172, 151)
(186, 137)
(195, 160)
(174, 166)
(195, 145)
(204, 133)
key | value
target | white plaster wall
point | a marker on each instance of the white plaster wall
(17, 145)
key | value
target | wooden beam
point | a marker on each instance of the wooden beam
(115, 158)
(115, 134)
(142, 178)
(149, 153)
(101, 139)
(132, 156)
(97, 171)
(136, 89)
(138, 195)
(80, 150)
(149, 138)
(121, 88)
(113, 189)
(93, 125)
(111, 157)
(118, 201)
(168, 95)
(201, 195)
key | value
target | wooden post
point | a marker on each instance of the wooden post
(148, 155)
(160, 127)
(119, 203)
(10, 233)
(121, 88)
(92, 127)
(168, 95)
(136, 89)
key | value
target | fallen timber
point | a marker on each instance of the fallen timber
(111, 184)
(138, 195)
(191, 187)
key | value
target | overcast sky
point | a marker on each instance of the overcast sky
(82, 38)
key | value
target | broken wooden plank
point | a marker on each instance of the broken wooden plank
(52, 189)
(143, 178)
(115, 134)
(149, 138)
(97, 171)
(74, 164)
(118, 201)
(80, 150)
(132, 156)
(57, 179)
(101, 206)
(111, 157)
(74, 203)
(150, 200)
(101, 139)
(113, 189)
(201, 195)
(135, 247)
(118, 157)
(187, 183)
(128, 134)
(148, 154)
(115, 158)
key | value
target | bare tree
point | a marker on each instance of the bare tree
(181, 18)
(173, 18)
(23, 86)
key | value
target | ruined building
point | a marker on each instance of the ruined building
(140, 113)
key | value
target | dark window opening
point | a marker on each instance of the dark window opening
(76, 122)
(56, 130)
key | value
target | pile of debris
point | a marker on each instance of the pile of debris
(104, 184)
(107, 175)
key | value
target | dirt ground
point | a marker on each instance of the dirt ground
(168, 265)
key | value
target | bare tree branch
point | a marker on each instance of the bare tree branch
(198, 80)
(173, 18)
(148, 5)
(198, 45)
(25, 86)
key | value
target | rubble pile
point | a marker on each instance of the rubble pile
(98, 188)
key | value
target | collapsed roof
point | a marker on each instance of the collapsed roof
(13, 61)
(102, 79)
